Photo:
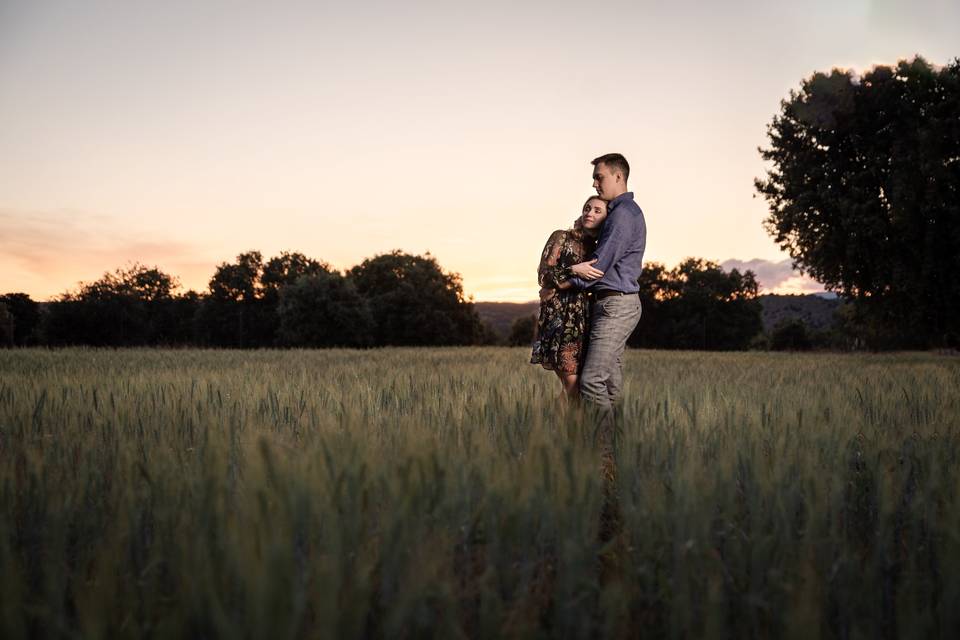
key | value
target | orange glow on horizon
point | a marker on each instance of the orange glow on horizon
(177, 136)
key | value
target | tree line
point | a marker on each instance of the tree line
(292, 300)
(696, 305)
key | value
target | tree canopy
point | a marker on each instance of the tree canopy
(697, 305)
(864, 194)
(324, 310)
(415, 302)
(390, 299)
(129, 306)
(25, 314)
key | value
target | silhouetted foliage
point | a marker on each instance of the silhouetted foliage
(655, 291)
(790, 335)
(125, 308)
(26, 318)
(487, 334)
(414, 302)
(7, 324)
(278, 273)
(391, 299)
(179, 320)
(286, 269)
(324, 310)
(521, 331)
(241, 309)
(233, 314)
(697, 305)
(864, 194)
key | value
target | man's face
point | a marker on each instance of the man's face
(605, 181)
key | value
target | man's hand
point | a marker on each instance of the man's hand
(586, 270)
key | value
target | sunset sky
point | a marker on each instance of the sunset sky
(180, 134)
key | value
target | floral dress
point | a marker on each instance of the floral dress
(559, 342)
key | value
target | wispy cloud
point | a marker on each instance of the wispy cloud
(775, 277)
(46, 253)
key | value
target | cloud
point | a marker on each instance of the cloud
(47, 253)
(775, 277)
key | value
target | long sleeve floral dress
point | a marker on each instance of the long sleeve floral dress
(559, 343)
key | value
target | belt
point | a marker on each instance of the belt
(606, 293)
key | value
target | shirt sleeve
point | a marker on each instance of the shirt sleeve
(611, 246)
(550, 272)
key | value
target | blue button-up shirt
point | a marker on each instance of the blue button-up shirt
(620, 248)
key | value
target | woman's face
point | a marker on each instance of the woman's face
(594, 213)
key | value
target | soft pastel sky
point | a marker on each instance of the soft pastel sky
(180, 133)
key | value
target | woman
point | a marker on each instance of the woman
(563, 326)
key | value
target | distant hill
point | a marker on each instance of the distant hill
(500, 315)
(816, 310)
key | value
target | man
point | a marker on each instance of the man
(611, 277)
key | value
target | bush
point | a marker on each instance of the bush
(521, 331)
(791, 335)
(324, 310)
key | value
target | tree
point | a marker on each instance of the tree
(280, 272)
(790, 335)
(697, 305)
(656, 289)
(7, 325)
(231, 315)
(240, 281)
(521, 331)
(712, 309)
(864, 194)
(324, 310)
(414, 302)
(124, 308)
(26, 316)
(241, 309)
(286, 269)
(180, 319)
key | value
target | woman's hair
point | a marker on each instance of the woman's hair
(578, 230)
(587, 201)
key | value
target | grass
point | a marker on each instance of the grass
(406, 493)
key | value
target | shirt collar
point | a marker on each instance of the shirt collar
(628, 195)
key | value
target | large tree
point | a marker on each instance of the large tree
(712, 308)
(232, 315)
(324, 310)
(26, 317)
(864, 194)
(279, 273)
(697, 305)
(242, 308)
(285, 269)
(125, 307)
(414, 302)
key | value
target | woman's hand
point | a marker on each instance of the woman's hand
(546, 293)
(586, 270)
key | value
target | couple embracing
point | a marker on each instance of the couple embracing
(589, 302)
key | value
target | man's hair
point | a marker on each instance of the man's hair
(616, 162)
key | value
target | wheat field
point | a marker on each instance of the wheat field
(408, 493)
